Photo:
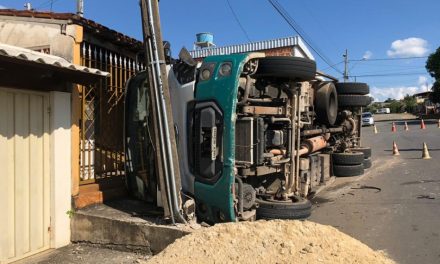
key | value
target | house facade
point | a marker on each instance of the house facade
(35, 154)
(97, 159)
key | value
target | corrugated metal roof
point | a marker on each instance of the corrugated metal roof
(252, 46)
(89, 25)
(38, 57)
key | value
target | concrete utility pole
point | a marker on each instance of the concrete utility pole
(80, 8)
(167, 162)
(345, 65)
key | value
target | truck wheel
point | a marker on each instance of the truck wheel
(326, 103)
(348, 170)
(353, 100)
(348, 158)
(295, 68)
(367, 163)
(365, 150)
(352, 88)
(299, 208)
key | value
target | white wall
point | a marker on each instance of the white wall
(23, 32)
(60, 139)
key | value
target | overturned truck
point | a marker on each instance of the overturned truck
(256, 136)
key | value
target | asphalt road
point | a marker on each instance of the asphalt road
(403, 218)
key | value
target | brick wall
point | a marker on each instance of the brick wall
(284, 51)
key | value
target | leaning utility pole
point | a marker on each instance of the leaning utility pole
(346, 65)
(167, 162)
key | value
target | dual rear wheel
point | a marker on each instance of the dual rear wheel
(352, 163)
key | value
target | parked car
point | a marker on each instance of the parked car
(367, 119)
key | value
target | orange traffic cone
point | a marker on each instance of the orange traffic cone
(406, 126)
(425, 154)
(422, 125)
(393, 128)
(395, 149)
(375, 129)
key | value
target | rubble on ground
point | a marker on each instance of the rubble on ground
(274, 241)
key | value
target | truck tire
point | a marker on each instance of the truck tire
(299, 209)
(294, 68)
(326, 103)
(348, 158)
(353, 88)
(367, 163)
(353, 100)
(365, 150)
(348, 170)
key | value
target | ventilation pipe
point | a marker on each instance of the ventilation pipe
(28, 6)
(80, 8)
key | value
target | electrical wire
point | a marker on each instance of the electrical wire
(390, 59)
(46, 3)
(332, 65)
(380, 71)
(238, 21)
(386, 74)
(296, 27)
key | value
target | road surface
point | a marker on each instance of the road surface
(403, 218)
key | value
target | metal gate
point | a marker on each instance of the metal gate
(24, 174)
(102, 108)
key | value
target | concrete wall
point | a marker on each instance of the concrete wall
(60, 139)
(22, 32)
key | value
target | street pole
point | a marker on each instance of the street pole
(167, 162)
(346, 65)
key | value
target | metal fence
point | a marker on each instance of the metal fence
(102, 112)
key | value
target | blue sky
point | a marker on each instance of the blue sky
(374, 29)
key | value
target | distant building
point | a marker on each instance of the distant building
(424, 104)
(422, 97)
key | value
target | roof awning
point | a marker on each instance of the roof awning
(20, 59)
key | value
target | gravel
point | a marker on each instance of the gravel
(274, 241)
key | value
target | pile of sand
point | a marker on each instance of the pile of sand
(269, 242)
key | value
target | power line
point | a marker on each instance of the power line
(295, 26)
(46, 3)
(389, 71)
(332, 66)
(238, 21)
(391, 59)
(387, 74)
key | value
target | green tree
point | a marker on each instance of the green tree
(372, 108)
(433, 67)
(389, 100)
(396, 106)
(410, 103)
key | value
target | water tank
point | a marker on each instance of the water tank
(205, 37)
